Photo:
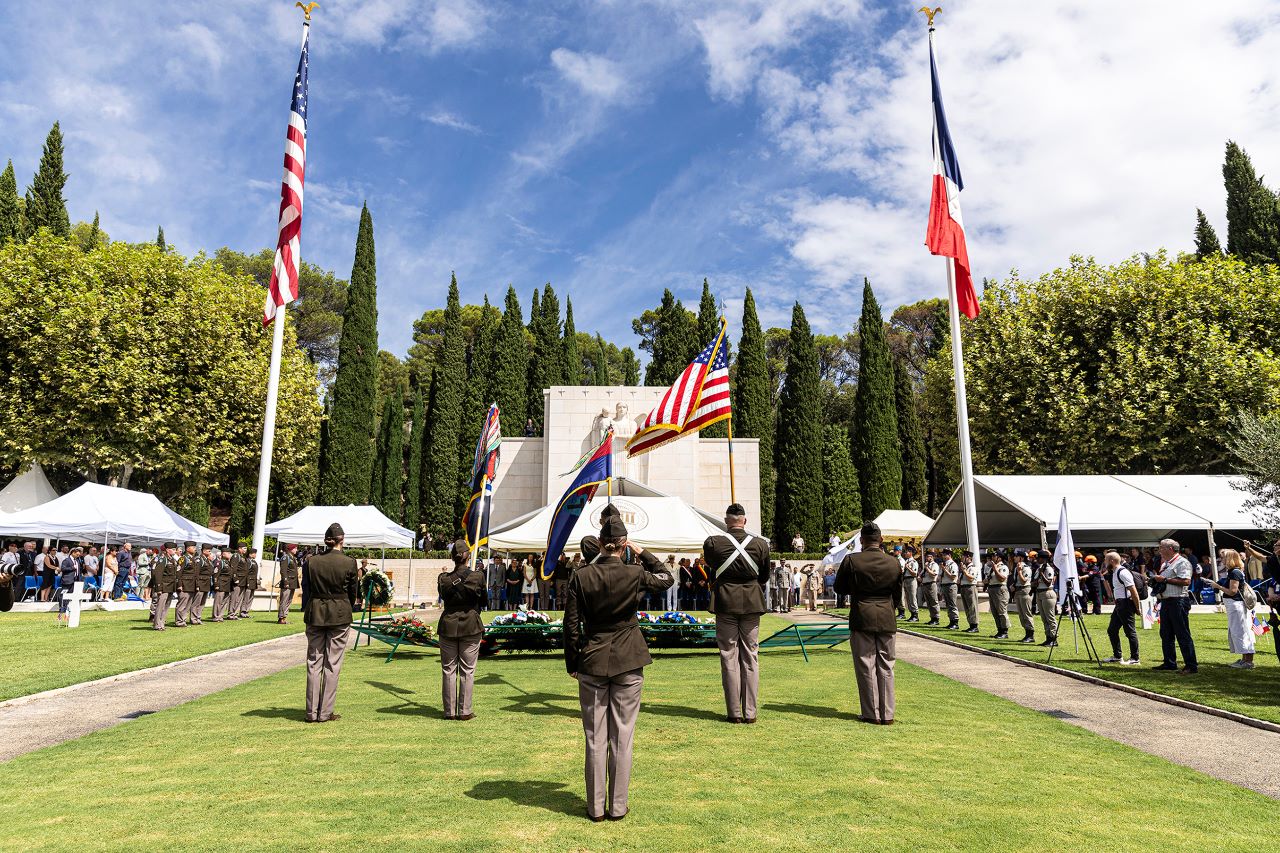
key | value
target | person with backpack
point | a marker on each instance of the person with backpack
(1239, 599)
(1129, 588)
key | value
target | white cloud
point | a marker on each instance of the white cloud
(444, 118)
(432, 24)
(597, 76)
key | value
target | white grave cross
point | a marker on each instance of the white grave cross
(77, 597)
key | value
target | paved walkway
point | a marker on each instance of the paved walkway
(1220, 748)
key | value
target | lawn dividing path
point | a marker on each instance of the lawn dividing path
(239, 770)
(37, 654)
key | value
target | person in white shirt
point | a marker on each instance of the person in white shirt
(998, 595)
(910, 576)
(929, 587)
(797, 544)
(1128, 604)
(947, 582)
(797, 584)
(1175, 579)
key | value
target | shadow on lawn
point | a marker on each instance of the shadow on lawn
(538, 704)
(551, 796)
(408, 707)
(298, 714)
(681, 711)
(819, 711)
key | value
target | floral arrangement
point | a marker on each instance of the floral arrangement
(672, 617)
(410, 628)
(377, 588)
(525, 616)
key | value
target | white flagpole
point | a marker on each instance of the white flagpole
(273, 390)
(962, 412)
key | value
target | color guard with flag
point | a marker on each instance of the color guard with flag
(597, 471)
(475, 521)
(697, 399)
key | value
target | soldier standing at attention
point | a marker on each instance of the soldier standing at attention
(205, 580)
(237, 569)
(740, 562)
(1047, 596)
(326, 607)
(1022, 574)
(605, 651)
(872, 579)
(289, 580)
(250, 582)
(910, 576)
(950, 576)
(929, 586)
(460, 631)
(969, 591)
(998, 595)
(164, 584)
(188, 584)
(222, 586)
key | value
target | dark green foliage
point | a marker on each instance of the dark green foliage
(389, 474)
(630, 368)
(915, 490)
(546, 368)
(708, 329)
(1253, 234)
(601, 364)
(1207, 244)
(798, 452)
(511, 367)
(413, 484)
(347, 467)
(160, 243)
(572, 357)
(11, 208)
(46, 207)
(477, 397)
(875, 426)
(444, 423)
(753, 403)
(841, 503)
(673, 340)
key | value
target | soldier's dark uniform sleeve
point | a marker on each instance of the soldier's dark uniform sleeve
(573, 625)
(654, 575)
(350, 582)
(844, 578)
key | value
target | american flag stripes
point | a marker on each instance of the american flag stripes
(697, 399)
(284, 271)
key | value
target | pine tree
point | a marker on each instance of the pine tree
(546, 368)
(915, 488)
(875, 427)
(1207, 245)
(572, 358)
(10, 209)
(630, 368)
(1253, 234)
(440, 501)
(413, 486)
(391, 461)
(601, 377)
(511, 367)
(841, 504)
(46, 206)
(753, 403)
(347, 469)
(675, 342)
(164, 247)
(798, 453)
(95, 233)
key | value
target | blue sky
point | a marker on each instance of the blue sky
(616, 148)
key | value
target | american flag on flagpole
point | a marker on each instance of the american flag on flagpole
(697, 399)
(284, 270)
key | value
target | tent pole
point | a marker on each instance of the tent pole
(1213, 552)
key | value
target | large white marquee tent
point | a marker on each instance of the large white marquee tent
(105, 514)
(362, 526)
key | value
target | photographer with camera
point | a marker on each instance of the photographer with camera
(1171, 589)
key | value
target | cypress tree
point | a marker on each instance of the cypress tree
(164, 247)
(875, 428)
(477, 397)
(841, 504)
(630, 368)
(378, 475)
(1252, 233)
(546, 368)
(675, 342)
(10, 210)
(511, 367)
(601, 363)
(445, 418)
(1207, 245)
(413, 486)
(915, 488)
(572, 358)
(46, 207)
(708, 329)
(798, 452)
(753, 403)
(95, 233)
(347, 468)
(392, 459)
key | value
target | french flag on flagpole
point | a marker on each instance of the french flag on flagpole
(946, 227)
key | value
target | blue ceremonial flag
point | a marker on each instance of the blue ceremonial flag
(595, 472)
(475, 520)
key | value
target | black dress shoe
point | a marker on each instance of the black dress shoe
(466, 717)
(733, 719)
(618, 816)
(1164, 667)
(954, 626)
(596, 818)
(932, 622)
(971, 630)
(747, 721)
(331, 718)
(1030, 638)
(914, 619)
(450, 717)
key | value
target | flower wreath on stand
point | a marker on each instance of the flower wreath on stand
(377, 588)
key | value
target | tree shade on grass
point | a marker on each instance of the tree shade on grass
(875, 427)
(36, 654)
(753, 403)
(806, 777)
(798, 453)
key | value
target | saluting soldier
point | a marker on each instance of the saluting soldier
(605, 651)
(929, 586)
(998, 595)
(250, 582)
(1023, 572)
(1043, 584)
(222, 588)
(188, 584)
(461, 630)
(740, 562)
(910, 577)
(969, 591)
(947, 582)
(205, 579)
(326, 606)
(289, 580)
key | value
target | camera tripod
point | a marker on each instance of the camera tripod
(1077, 625)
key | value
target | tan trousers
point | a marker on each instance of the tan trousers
(909, 595)
(969, 596)
(873, 657)
(458, 673)
(325, 649)
(159, 609)
(186, 604)
(246, 601)
(949, 598)
(1047, 601)
(1022, 600)
(610, 706)
(931, 600)
(810, 598)
(998, 599)
(221, 604)
(286, 598)
(738, 638)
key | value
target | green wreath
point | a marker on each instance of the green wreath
(377, 588)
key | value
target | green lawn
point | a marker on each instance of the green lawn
(38, 654)
(1252, 692)
(238, 770)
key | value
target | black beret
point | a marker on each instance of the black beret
(870, 530)
(735, 509)
(334, 532)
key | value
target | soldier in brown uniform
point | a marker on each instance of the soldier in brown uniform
(460, 630)
(326, 608)
(188, 585)
(163, 583)
(872, 579)
(605, 651)
(250, 582)
(288, 581)
(238, 565)
(222, 585)
(739, 562)
(208, 565)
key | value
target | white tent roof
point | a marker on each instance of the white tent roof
(95, 513)
(28, 489)
(654, 521)
(1102, 509)
(364, 527)
(903, 524)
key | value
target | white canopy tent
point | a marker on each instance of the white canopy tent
(654, 521)
(106, 514)
(1104, 509)
(903, 524)
(363, 526)
(28, 489)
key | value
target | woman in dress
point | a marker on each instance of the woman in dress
(110, 568)
(47, 570)
(1239, 617)
(530, 584)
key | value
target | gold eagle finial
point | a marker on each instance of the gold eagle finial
(307, 8)
(929, 13)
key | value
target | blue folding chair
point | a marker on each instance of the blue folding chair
(31, 586)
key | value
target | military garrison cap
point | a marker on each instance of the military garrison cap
(611, 526)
